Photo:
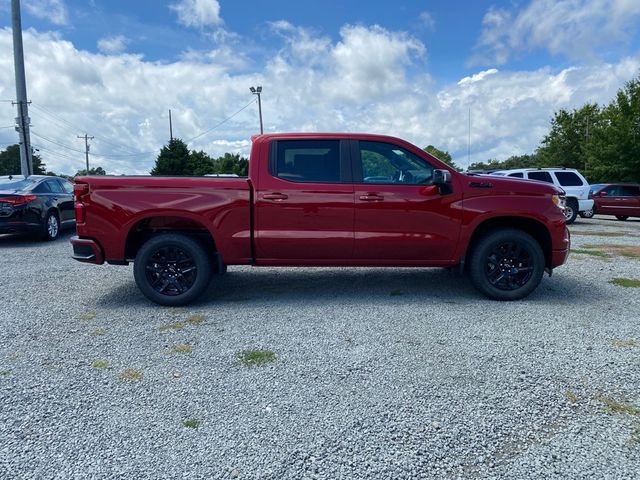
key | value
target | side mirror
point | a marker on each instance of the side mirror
(441, 177)
(602, 194)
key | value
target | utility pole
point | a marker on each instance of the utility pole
(170, 127)
(22, 121)
(86, 148)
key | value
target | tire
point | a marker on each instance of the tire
(587, 213)
(622, 218)
(506, 264)
(571, 210)
(51, 226)
(172, 269)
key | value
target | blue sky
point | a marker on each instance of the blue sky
(408, 68)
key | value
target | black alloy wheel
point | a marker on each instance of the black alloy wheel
(506, 264)
(172, 269)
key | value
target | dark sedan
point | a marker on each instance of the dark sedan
(38, 204)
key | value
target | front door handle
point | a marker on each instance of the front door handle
(275, 196)
(371, 198)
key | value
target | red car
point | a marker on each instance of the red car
(619, 199)
(323, 200)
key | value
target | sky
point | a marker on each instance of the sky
(479, 79)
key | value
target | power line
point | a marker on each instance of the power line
(221, 123)
(57, 143)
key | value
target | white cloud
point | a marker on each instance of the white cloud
(427, 20)
(113, 44)
(362, 82)
(573, 28)
(53, 10)
(198, 13)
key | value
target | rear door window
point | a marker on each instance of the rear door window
(569, 179)
(629, 191)
(308, 161)
(541, 175)
(517, 175)
(42, 188)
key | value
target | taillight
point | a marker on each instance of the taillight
(80, 189)
(18, 199)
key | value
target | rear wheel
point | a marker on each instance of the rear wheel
(172, 269)
(587, 213)
(506, 264)
(571, 210)
(622, 217)
(51, 226)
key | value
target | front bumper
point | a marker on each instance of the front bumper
(86, 250)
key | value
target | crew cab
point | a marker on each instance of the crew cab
(323, 200)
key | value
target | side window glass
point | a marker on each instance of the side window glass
(308, 160)
(67, 186)
(612, 191)
(42, 188)
(628, 191)
(569, 179)
(541, 175)
(388, 163)
(517, 174)
(55, 186)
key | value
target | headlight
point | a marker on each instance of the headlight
(559, 201)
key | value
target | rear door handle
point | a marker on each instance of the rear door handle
(371, 198)
(275, 196)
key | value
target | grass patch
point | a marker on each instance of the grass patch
(251, 358)
(191, 422)
(130, 374)
(584, 251)
(614, 406)
(626, 282)
(572, 397)
(624, 342)
(88, 315)
(396, 293)
(171, 326)
(98, 332)
(181, 348)
(628, 251)
(4, 372)
(100, 364)
(195, 319)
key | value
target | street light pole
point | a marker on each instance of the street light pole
(257, 91)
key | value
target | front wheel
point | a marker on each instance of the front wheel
(622, 217)
(571, 210)
(506, 264)
(172, 269)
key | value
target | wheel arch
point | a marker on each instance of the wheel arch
(145, 228)
(533, 227)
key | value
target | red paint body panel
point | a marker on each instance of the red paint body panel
(266, 220)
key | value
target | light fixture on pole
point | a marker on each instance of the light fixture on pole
(257, 91)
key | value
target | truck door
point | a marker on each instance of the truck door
(399, 214)
(304, 203)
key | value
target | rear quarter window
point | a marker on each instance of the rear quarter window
(308, 160)
(569, 179)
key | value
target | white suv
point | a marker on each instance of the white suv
(571, 181)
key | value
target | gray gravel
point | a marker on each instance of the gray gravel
(379, 373)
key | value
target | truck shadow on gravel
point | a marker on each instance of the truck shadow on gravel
(304, 286)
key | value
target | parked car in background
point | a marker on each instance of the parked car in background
(38, 204)
(569, 179)
(619, 199)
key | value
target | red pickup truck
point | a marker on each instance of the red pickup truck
(323, 200)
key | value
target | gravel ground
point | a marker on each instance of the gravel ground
(378, 373)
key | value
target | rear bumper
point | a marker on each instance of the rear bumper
(584, 205)
(86, 250)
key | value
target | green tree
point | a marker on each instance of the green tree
(199, 164)
(515, 161)
(10, 162)
(441, 155)
(566, 144)
(231, 163)
(173, 159)
(92, 171)
(613, 150)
